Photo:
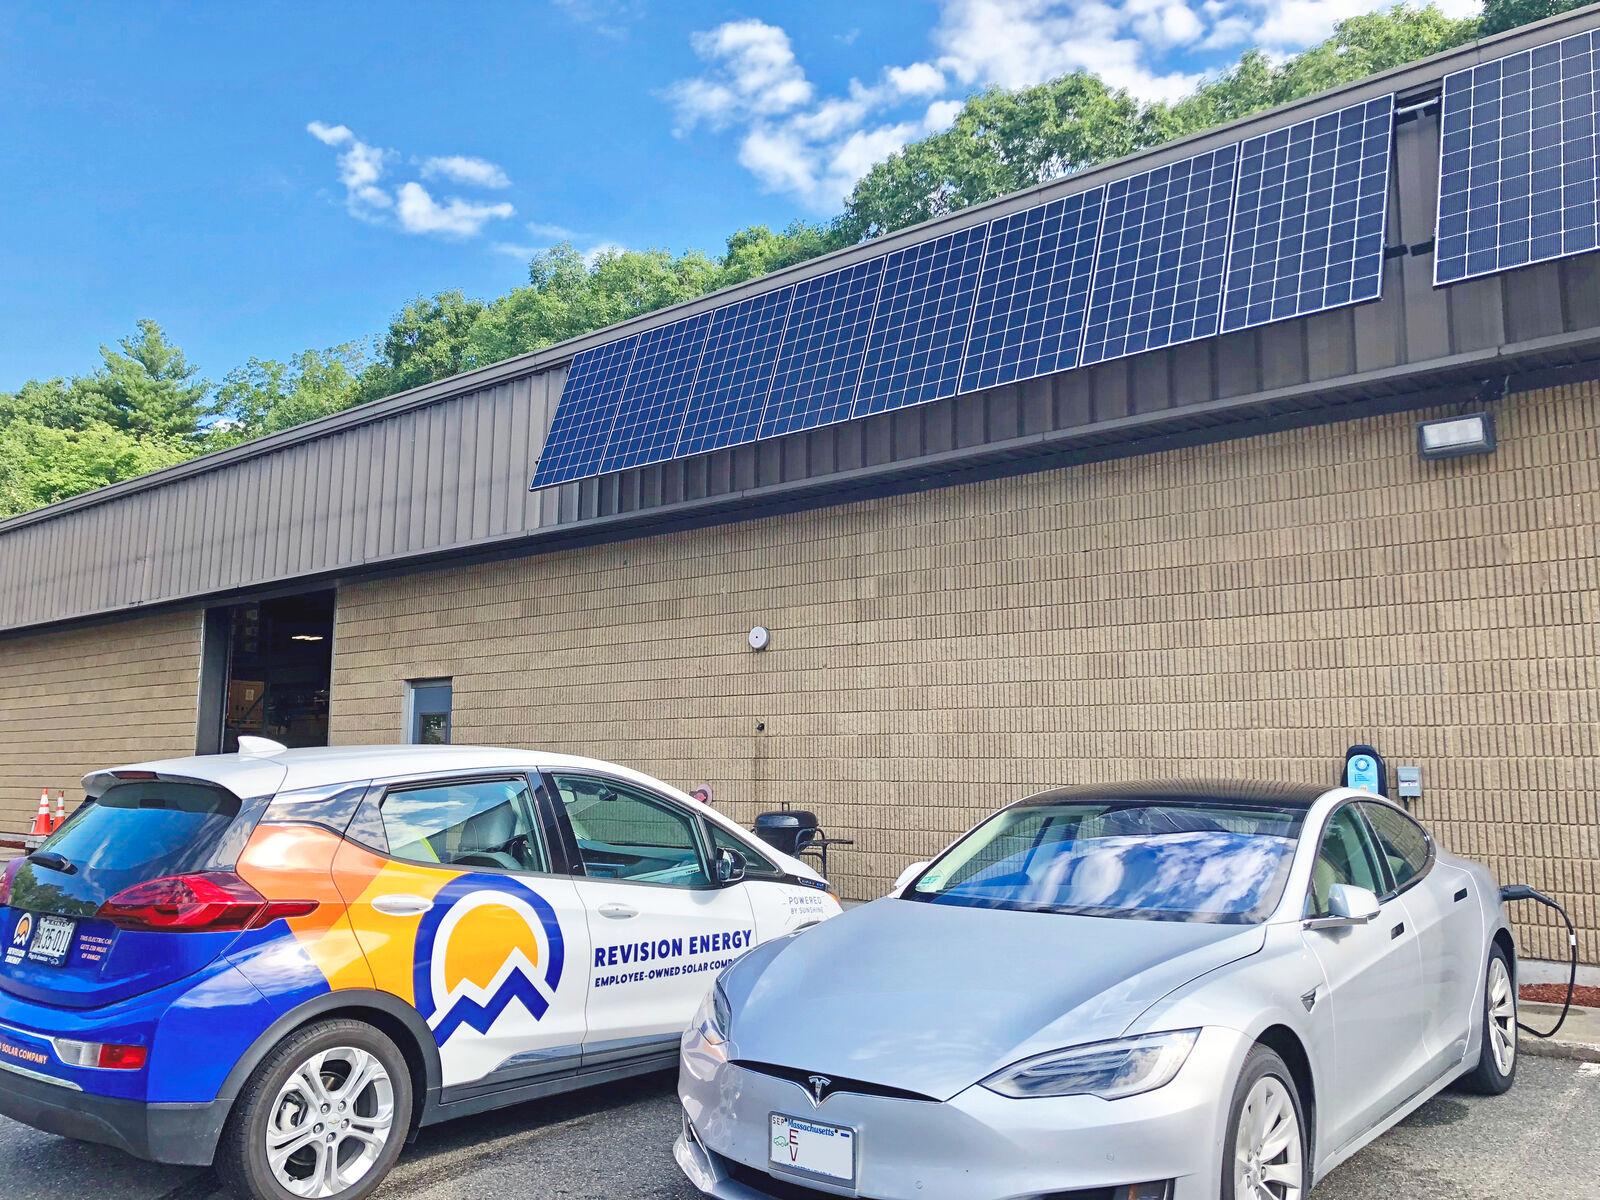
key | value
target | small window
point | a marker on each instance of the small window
(1402, 841)
(1347, 856)
(478, 823)
(428, 704)
(756, 864)
(626, 833)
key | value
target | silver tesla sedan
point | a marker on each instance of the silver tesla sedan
(1165, 992)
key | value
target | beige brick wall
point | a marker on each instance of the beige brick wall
(91, 697)
(1248, 608)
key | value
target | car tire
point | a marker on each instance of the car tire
(325, 1114)
(1266, 1108)
(1497, 1056)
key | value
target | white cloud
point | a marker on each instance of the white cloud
(941, 115)
(330, 135)
(919, 79)
(753, 69)
(1019, 43)
(363, 170)
(464, 169)
(419, 212)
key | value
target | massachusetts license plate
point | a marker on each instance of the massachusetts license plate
(828, 1151)
(52, 939)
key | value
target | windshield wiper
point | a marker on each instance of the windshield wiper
(52, 861)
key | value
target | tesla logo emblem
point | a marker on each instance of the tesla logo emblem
(819, 1087)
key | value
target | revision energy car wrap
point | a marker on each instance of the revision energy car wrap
(517, 961)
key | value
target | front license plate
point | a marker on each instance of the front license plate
(828, 1151)
(51, 941)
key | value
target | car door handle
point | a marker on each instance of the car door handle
(1461, 895)
(402, 905)
(1397, 931)
(618, 912)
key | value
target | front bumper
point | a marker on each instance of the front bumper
(976, 1146)
(184, 1134)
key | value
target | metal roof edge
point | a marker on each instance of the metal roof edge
(1397, 79)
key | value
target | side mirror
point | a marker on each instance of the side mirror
(1348, 905)
(731, 867)
(907, 876)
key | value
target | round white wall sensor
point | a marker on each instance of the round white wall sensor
(759, 637)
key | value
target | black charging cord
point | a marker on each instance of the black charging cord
(1521, 891)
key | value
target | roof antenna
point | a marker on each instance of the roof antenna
(259, 747)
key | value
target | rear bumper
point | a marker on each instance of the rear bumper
(183, 1134)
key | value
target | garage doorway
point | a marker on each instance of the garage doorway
(277, 673)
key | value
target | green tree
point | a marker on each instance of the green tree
(51, 402)
(426, 340)
(265, 395)
(147, 388)
(40, 464)
(1500, 15)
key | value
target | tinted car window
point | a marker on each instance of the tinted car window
(1151, 860)
(625, 833)
(134, 832)
(756, 865)
(478, 823)
(1402, 841)
(1347, 856)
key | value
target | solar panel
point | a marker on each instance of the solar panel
(735, 373)
(820, 359)
(920, 329)
(1517, 163)
(1309, 215)
(1033, 292)
(584, 415)
(1161, 257)
(651, 411)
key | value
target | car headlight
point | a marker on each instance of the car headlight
(715, 1015)
(1109, 1070)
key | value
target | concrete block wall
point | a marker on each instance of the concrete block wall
(1244, 609)
(96, 696)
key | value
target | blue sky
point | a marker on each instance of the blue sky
(265, 178)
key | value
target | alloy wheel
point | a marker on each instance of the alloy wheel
(1266, 1149)
(330, 1122)
(1502, 1016)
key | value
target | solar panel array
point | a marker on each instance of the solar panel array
(1139, 264)
(1309, 218)
(1517, 160)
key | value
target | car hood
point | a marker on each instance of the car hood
(932, 998)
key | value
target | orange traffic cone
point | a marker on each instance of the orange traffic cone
(41, 821)
(61, 811)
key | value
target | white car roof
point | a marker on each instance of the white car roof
(268, 771)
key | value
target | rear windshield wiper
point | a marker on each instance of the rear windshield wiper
(52, 861)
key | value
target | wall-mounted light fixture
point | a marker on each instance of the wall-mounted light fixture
(305, 637)
(1451, 437)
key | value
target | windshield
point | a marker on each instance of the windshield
(1160, 860)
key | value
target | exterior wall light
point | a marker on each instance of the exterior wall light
(1455, 436)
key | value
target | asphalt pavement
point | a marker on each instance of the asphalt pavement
(615, 1143)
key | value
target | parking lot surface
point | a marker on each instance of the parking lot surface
(615, 1144)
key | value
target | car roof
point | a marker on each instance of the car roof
(1193, 791)
(266, 772)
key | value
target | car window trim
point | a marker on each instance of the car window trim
(580, 868)
(383, 789)
(1381, 862)
(1427, 839)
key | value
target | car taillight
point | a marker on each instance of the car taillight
(213, 902)
(102, 1055)
(10, 873)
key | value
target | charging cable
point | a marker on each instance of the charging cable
(1521, 891)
